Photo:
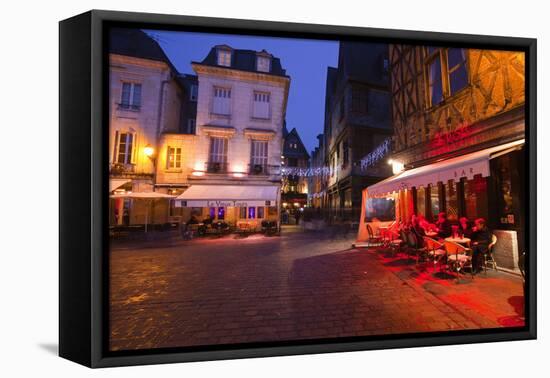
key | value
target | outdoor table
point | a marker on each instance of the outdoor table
(459, 240)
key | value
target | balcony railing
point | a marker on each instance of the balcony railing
(129, 107)
(216, 167)
(258, 169)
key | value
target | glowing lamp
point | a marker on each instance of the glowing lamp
(148, 151)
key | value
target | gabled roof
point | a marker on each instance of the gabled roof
(244, 60)
(301, 151)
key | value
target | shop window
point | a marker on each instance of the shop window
(421, 201)
(221, 213)
(504, 189)
(261, 212)
(242, 212)
(451, 198)
(435, 206)
(251, 213)
(475, 197)
(212, 212)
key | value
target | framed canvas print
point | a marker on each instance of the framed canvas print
(234, 188)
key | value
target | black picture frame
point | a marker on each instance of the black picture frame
(83, 179)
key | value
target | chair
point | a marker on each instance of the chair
(488, 257)
(373, 240)
(414, 245)
(458, 257)
(435, 250)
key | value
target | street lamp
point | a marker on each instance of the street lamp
(149, 151)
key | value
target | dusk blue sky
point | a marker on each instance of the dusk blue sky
(305, 61)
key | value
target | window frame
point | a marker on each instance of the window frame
(266, 58)
(224, 52)
(215, 97)
(257, 97)
(442, 53)
(177, 158)
(130, 105)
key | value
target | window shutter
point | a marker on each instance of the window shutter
(115, 148)
(133, 152)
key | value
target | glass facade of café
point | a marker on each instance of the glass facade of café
(489, 184)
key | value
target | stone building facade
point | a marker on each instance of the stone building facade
(241, 107)
(145, 102)
(357, 120)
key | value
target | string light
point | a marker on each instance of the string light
(366, 162)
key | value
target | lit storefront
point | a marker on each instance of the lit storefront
(233, 204)
(486, 183)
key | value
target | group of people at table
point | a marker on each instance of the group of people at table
(475, 235)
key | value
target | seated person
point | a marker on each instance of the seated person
(417, 230)
(481, 238)
(443, 225)
(464, 227)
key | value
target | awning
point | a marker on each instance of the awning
(467, 166)
(117, 183)
(228, 196)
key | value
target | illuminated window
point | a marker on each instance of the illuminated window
(261, 212)
(258, 158)
(224, 57)
(124, 147)
(421, 201)
(451, 198)
(263, 63)
(434, 201)
(174, 158)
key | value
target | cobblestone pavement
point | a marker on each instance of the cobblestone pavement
(293, 287)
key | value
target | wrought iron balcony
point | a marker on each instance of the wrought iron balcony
(258, 169)
(216, 167)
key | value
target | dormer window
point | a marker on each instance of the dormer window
(224, 57)
(263, 63)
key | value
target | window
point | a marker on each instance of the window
(421, 201)
(131, 96)
(222, 101)
(359, 100)
(447, 73)
(345, 153)
(261, 212)
(173, 159)
(191, 126)
(242, 212)
(434, 81)
(193, 92)
(434, 201)
(451, 198)
(458, 76)
(258, 158)
(218, 154)
(475, 197)
(263, 64)
(261, 105)
(224, 57)
(124, 148)
(221, 213)
(251, 213)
